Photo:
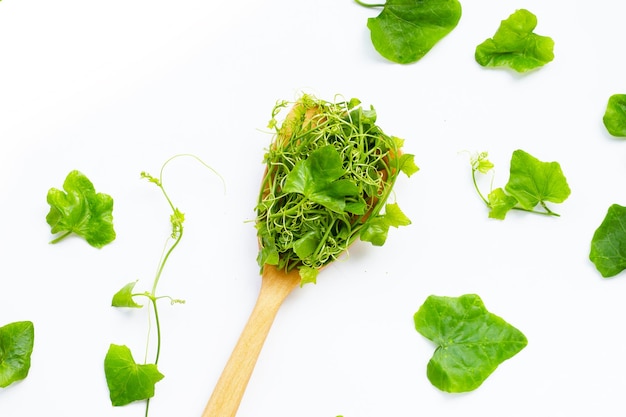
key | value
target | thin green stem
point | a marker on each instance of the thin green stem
(60, 238)
(368, 5)
(545, 213)
(478, 189)
(164, 261)
(147, 407)
(158, 328)
(547, 209)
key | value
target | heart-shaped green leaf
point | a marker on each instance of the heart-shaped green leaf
(471, 341)
(127, 380)
(532, 181)
(515, 45)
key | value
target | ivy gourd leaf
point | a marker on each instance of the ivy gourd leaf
(128, 381)
(306, 245)
(308, 275)
(377, 229)
(79, 209)
(318, 179)
(16, 346)
(500, 203)
(124, 297)
(533, 182)
(471, 341)
(405, 30)
(614, 118)
(408, 165)
(608, 245)
(515, 45)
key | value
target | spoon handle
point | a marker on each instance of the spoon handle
(228, 392)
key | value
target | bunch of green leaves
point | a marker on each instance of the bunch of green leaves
(515, 45)
(614, 118)
(79, 209)
(330, 170)
(608, 245)
(471, 341)
(16, 347)
(406, 30)
(127, 380)
(531, 183)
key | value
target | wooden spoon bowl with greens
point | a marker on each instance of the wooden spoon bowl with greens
(330, 171)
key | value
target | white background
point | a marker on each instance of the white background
(115, 88)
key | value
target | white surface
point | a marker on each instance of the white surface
(116, 88)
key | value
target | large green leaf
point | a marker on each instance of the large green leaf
(614, 118)
(406, 30)
(471, 341)
(515, 45)
(532, 181)
(608, 245)
(128, 381)
(16, 346)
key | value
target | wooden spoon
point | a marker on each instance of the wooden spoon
(275, 287)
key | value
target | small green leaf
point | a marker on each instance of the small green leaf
(307, 244)
(614, 118)
(177, 218)
(394, 216)
(124, 297)
(128, 381)
(16, 346)
(515, 45)
(500, 203)
(532, 182)
(308, 275)
(375, 231)
(471, 341)
(406, 30)
(318, 179)
(268, 253)
(80, 210)
(608, 245)
(480, 162)
(407, 164)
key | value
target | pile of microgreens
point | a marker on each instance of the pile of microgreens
(330, 171)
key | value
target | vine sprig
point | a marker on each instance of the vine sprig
(532, 183)
(127, 380)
